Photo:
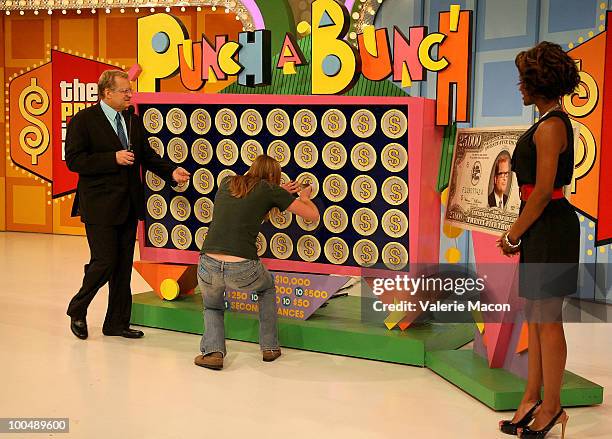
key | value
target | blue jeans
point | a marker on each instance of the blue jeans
(214, 277)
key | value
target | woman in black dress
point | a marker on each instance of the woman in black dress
(546, 233)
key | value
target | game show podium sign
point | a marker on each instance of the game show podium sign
(373, 163)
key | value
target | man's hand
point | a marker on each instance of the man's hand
(180, 175)
(124, 158)
(292, 187)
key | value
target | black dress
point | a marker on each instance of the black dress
(550, 247)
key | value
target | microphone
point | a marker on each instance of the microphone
(130, 113)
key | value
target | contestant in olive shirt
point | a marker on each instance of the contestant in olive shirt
(229, 254)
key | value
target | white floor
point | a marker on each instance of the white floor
(117, 388)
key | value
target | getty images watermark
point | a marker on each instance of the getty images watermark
(437, 290)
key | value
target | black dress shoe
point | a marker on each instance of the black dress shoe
(126, 333)
(79, 328)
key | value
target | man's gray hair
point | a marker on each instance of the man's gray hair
(107, 80)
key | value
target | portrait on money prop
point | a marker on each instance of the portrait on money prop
(483, 193)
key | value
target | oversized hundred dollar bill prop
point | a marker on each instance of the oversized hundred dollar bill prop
(473, 178)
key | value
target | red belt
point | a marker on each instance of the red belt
(527, 189)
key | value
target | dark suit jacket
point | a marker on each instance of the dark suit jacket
(106, 190)
(493, 201)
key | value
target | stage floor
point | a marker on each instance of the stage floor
(334, 329)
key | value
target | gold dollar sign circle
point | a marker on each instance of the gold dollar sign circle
(308, 248)
(363, 156)
(154, 182)
(156, 206)
(395, 223)
(394, 124)
(365, 253)
(201, 151)
(177, 150)
(365, 221)
(280, 152)
(251, 122)
(153, 120)
(306, 154)
(335, 219)
(176, 121)
(394, 157)
(227, 152)
(305, 122)
(336, 250)
(181, 237)
(281, 246)
(395, 256)
(226, 121)
(335, 187)
(334, 155)
(333, 123)
(278, 122)
(203, 181)
(157, 145)
(363, 123)
(364, 189)
(180, 208)
(158, 235)
(394, 190)
(200, 121)
(203, 209)
(34, 139)
(250, 150)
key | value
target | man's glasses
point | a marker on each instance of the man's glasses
(125, 91)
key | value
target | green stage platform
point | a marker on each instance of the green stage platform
(334, 329)
(500, 389)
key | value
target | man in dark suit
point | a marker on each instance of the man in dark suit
(107, 145)
(498, 197)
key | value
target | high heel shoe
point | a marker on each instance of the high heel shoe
(559, 418)
(510, 427)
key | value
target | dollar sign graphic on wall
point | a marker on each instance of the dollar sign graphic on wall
(367, 256)
(176, 120)
(182, 237)
(335, 156)
(366, 223)
(281, 245)
(364, 157)
(227, 151)
(395, 223)
(394, 256)
(307, 153)
(333, 122)
(34, 139)
(252, 122)
(201, 121)
(394, 125)
(334, 187)
(337, 252)
(226, 122)
(365, 190)
(394, 158)
(279, 123)
(363, 125)
(396, 192)
(309, 248)
(306, 123)
(154, 121)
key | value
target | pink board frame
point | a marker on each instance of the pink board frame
(424, 149)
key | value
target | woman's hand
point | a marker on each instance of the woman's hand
(505, 249)
(292, 187)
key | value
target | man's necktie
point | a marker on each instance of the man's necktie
(499, 204)
(120, 132)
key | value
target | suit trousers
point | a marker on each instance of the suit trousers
(112, 254)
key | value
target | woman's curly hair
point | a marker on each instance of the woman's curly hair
(547, 71)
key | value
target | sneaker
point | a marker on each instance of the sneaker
(214, 361)
(271, 355)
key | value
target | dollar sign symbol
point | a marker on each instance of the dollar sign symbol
(335, 158)
(336, 220)
(364, 157)
(309, 250)
(394, 125)
(396, 223)
(366, 255)
(365, 222)
(280, 153)
(365, 189)
(180, 209)
(154, 121)
(204, 182)
(394, 158)
(176, 120)
(159, 235)
(251, 122)
(396, 192)
(182, 237)
(36, 146)
(394, 256)
(332, 122)
(201, 121)
(226, 122)
(334, 187)
(307, 153)
(306, 124)
(178, 152)
(279, 123)
(363, 125)
(202, 152)
(227, 151)
(252, 152)
(157, 207)
(281, 245)
(337, 251)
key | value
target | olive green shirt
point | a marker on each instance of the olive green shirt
(237, 221)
